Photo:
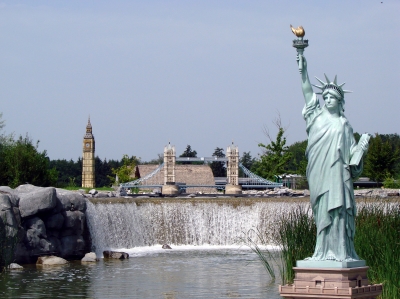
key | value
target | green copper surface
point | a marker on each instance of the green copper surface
(331, 145)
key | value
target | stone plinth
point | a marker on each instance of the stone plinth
(332, 283)
(233, 189)
(170, 189)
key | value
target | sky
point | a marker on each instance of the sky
(203, 73)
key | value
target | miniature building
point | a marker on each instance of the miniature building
(184, 174)
(88, 176)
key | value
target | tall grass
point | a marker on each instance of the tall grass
(377, 241)
(296, 236)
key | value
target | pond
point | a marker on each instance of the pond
(151, 272)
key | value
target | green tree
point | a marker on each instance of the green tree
(190, 154)
(21, 162)
(218, 168)
(298, 162)
(247, 160)
(382, 159)
(125, 171)
(274, 159)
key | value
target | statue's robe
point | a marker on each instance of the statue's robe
(330, 146)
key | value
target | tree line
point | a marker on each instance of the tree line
(21, 162)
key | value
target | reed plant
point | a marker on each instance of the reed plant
(377, 241)
(296, 236)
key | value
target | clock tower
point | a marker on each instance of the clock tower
(88, 158)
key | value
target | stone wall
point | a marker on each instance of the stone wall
(45, 221)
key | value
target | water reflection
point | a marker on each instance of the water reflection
(170, 274)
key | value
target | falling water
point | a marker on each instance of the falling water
(197, 222)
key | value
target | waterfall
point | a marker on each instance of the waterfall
(213, 222)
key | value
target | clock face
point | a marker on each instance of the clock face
(87, 144)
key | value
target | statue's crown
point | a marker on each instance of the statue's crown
(331, 85)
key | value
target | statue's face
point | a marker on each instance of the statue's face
(331, 102)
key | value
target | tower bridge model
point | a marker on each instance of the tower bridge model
(170, 186)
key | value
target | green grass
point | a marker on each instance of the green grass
(88, 189)
(377, 240)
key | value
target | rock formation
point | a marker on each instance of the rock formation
(46, 221)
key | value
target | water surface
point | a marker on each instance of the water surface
(151, 272)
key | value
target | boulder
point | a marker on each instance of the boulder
(14, 266)
(115, 255)
(27, 188)
(72, 245)
(35, 230)
(14, 197)
(5, 203)
(121, 191)
(17, 215)
(74, 220)
(93, 192)
(55, 221)
(90, 258)
(7, 216)
(40, 200)
(54, 243)
(50, 261)
(166, 246)
(71, 201)
(101, 195)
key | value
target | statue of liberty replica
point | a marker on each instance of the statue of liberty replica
(334, 159)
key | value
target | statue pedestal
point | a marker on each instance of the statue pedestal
(332, 283)
(170, 189)
(233, 189)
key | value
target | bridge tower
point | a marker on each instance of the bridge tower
(169, 186)
(232, 172)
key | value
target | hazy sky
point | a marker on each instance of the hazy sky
(202, 73)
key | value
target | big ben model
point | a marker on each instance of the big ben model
(88, 158)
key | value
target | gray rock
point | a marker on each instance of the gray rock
(72, 245)
(27, 188)
(17, 215)
(55, 243)
(14, 266)
(90, 258)
(5, 203)
(41, 200)
(37, 224)
(71, 200)
(101, 195)
(121, 191)
(74, 220)
(50, 261)
(46, 246)
(93, 192)
(55, 221)
(35, 230)
(166, 246)
(115, 255)
(14, 197)
(7, 217)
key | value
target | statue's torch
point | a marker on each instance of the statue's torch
(300, 44)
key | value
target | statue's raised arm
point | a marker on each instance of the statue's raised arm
(305, 80)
